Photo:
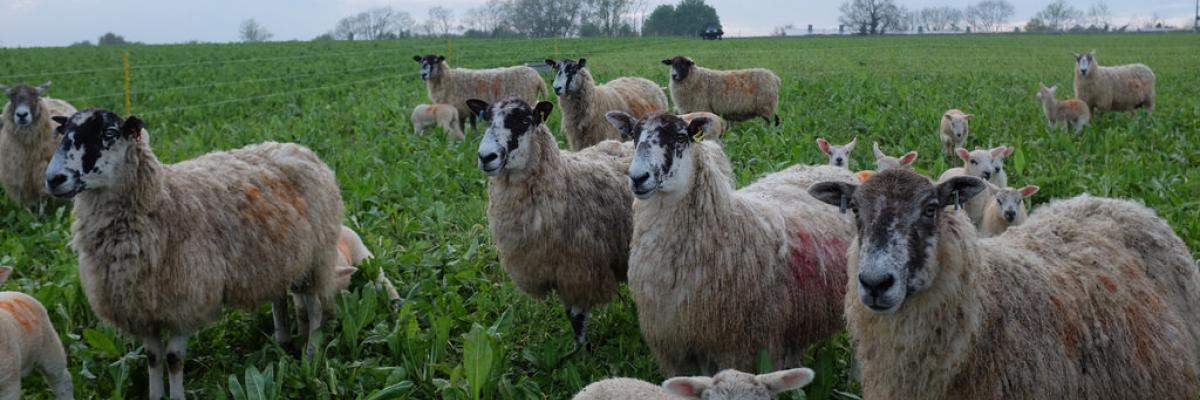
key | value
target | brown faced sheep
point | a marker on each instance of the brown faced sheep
(583, 103)
(736, 95)
(1091, 298)
(1067, 112)
(164, 247)
(721, 275)
(28, 340)
(1119, 88)
(955, 127)
(726, 385)
(455, 85)
(445, 116)
(27, 141)
(561, 221)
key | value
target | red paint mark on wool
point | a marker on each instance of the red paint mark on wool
(22, 312)
(818, 263)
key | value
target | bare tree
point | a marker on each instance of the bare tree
(441, 20)
(488, 18)
(374, 24)
(545, 18)
(609, 15)
(870, 17)
(942, 18)
(989, 15)
(252, 31)
(1058, 16)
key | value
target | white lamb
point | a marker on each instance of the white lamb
(725, 385)
(1066, 112)
(984, 164)
(955, 127)
(445, 116)
(28, 340)
(884, 162)
(1005, 209)
(839, 156)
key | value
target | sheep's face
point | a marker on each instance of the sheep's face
(566, 75)
(736, 385)
(839, 156)
(93, 149)
(1085, 62)
(680, 67)
(662, 161)
(1046, 93)
(431, 65)
(24, 103)
(1011, 205)
(982, 163)
(958, 125)
(511, 124)
(897, 213)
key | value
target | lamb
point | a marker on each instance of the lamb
(27, 141)
(726, 385)
(561, 221)
(352, 252)
(445, 116)
(584, 103)
(778, 254)
(164, 247)
(713, 130)
(1068, 112)
(884, 162)
(28, 340)
(984, 164)
(736, 95)
(1119, 88)
(954, 130)
(839, 156)
(455, 85)
(1005, 209)
(1092, 298)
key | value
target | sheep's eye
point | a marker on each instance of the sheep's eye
(998, 201)
(930, 210)
(973, 162)
(111, 133)
(997, 169)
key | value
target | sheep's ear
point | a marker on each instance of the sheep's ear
(479, 109)
(61, 120)
(823, 145)
(1001, 151)
(42, 88)
(687, 387)
(908, 158)
(667, 61)
(1077, 56)
(947, 116)
(969, 116)
(958, 190)
(4, 273)
(417, 58)
(541, 112)
(623, 122)
(838, 194)
(582, 62)
(963, 153)
(878, 153)
(695, 129)
(850, 146)
(441, 58)
(132, 127)
(552, 63)
(1028, 191)
(782, 381)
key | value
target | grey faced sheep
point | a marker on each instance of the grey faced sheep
(720, 276)
(561, 221)
(884, 162)
(163, 248)
(839, 156)
(28, 340)
(583, 103)
(455, 85)
(1119, 88)
(1091, 298)
(27, 141)
(955, 127)
(725, 385)
(736, 95)
(445, 116)
(1066, 112)
(1006, 208)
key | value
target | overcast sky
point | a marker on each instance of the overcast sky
(60, 22)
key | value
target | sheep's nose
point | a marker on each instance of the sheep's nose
(876, 285)
(640, 179)
(1009, 215)
(987, 175)
(837, 162)
(488, 158)
(56, 181)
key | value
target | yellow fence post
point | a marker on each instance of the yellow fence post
(128, 93)
(449, 49)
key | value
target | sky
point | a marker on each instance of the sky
(29, 23)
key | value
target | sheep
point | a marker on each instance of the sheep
(583, 103)
(28, 340)
(445, 116)
(884, 162)
(984, 164)
(352, 252)
(164, 247)
(1006, 208)
(455, 85)
(561, 221)
(1091, 298)
(954, 130)
(1119, 88)
(736, 95)
(715, 128)
(726, 385)
(1068, 112)
(777, 253)
(839, 156)
(27, 140)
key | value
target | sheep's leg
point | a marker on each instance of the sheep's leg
(578, 317)
(279, 310)
(176, 351)
(53, 364)
(383, 282)
(13, 389)
(312, 308)
(154, 359)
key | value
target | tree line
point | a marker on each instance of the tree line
(877, 17)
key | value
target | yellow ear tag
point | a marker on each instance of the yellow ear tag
(698, 137)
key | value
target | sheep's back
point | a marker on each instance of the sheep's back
(639, 96)
(490, 85)
(622, 389)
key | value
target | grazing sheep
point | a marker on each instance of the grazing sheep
(1092, 298)
(27, 141)
(954, 130)
(773, 277)
(583, 103)
(1068, 112)
(1005, 209)
(164, 247)
(561, 221)
(715, 128)
(455, 85)
(736, 95)
(445, 116)
(884, 162)
(839, 156)
(1119, 88)
(984, 164)
(726, 385)
(28, 340)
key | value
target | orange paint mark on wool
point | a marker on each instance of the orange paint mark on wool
(739, 83)
(268, 207)
(1109, 283)
(496, 89)
(343, 248)
(22, 311)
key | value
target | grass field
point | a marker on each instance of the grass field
(462, 330)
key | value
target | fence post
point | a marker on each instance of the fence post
(449, 49)
(128, 92)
